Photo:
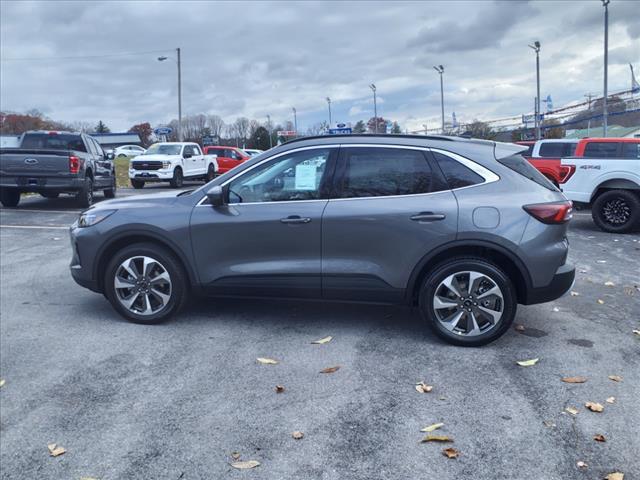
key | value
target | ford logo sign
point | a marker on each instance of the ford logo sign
(341, 125)
(30, 161)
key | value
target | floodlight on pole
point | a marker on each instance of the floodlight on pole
(162, 59)
(375, 108)
(536, 48)
(440, 70)
(605, 113)
(329, 105)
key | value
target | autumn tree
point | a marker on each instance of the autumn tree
(144, 131)
(552, 129)
(479, 129)
(381, 125)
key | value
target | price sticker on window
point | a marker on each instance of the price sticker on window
(305, 177)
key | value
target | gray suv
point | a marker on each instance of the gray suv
(465, 229)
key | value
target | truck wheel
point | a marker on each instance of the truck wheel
(177, 180)
(111, 192)
(137, 184)
(50, 194)
(145, 283)
(9, 198)
(211, 173)
(85, 196)
(616, 211)
(468, 301)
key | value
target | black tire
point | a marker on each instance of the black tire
(9, 198)
(50, 194)
(211, 173)
(111, 192)
(178, 179)
(616, 211)
(178, 278)
(495, 274)
(137, 184)
(85, 196)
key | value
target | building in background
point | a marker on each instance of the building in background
(114, 140)
(612, 131)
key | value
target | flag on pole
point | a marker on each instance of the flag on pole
(549, 103)
(635, 86)
(454, 122)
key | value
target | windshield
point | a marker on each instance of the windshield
(163, 149)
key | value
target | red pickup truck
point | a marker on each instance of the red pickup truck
(546, 154)
(228, 157)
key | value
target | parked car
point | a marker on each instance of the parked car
(611, 185)
(172, 162)
(464, 229)
(55, 162)
(128, 151)
(228, 157)
(529, 144)
(545, 157)
(252, 152)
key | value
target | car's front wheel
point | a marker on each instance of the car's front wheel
(9, 197)
(616, 211)
(211, 173)
(145, 283)
(468, 301)
(177, 180)
(137, 184)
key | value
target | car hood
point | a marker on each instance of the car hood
(155, 200)
(156, 157)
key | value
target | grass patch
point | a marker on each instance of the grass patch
(122, 172)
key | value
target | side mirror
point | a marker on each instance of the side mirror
(110, 156)
(216, 196)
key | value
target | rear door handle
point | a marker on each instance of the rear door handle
(295, 219)
(428, 217)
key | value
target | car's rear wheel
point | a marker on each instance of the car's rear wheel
(111, 192)
(145, 283)
(211, 173)
(50, 194)
(137, 184)
(468, 301)
(9, 197)
(177, 180)
(616, 211)
(85, 196)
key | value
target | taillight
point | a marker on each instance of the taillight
(74, 164)
(565, 172)
(551, 213)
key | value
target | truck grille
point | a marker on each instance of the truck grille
(150, 165)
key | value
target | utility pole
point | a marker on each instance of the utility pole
(589, 97)
(605, 114)
(536, 48)
(295, 120)
(329, 104)
(375, 108)
(440, 70)
(162, 59)
(269, 129)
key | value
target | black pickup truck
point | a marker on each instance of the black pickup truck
(51, 163)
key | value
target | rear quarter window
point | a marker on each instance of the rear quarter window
(601, 149)
(519, 165)
(557, 149)
(456, 174)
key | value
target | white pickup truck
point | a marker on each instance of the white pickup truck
(611, 186)
(172, 162)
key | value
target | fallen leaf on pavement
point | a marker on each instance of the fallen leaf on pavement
(609, 284)
(572, 410)
(88, 478)
(628, 291)
(549, 423)
(636, 332)
(423, 387)
(437, 438)
(615, 378)
(433, 427)
(611, 400)
(235, 455)
(574, 379)
(601, 261)
(330, 369)
(556, 309)
(575, 294)
(267, 361)
(615, 476)
(581, 464)
(279, 389)
(594, 406)
(322, 341)
(297, 435)
(2, 382)
(599, 438)
(450, 452)
(527, 363)
(245, 465)
(520, 328)
(600, 301)
(55, 449)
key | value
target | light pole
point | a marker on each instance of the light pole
(329, 104)
(536, 48)
(375, 108)
(295, 120)
(605, 4)
(440, 70)
(269, 130)
(162, 59)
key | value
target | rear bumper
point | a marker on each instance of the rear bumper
(560, 284)
(41, 184)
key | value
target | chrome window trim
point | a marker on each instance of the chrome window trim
(488, 175)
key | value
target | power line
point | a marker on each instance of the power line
(80, 57)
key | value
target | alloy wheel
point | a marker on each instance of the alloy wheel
(616, 211)
(142, 285)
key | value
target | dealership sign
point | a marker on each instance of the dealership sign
(163, 131)
(286, 133)
(340, 129)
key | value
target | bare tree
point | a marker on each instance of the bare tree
(216, 125)
(242, 125)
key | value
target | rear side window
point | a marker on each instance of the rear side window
(631, 150)
(382, 172)
(519, 165)
(53, 142)
(557, 149)
(456, 174)
(601, 150)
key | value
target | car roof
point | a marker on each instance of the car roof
(610, 139)
(558, 140)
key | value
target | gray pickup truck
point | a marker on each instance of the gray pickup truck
(54, 162)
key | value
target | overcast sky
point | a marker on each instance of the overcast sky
(253, 59)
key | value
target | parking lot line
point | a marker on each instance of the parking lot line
(42, 227)
(39, 211)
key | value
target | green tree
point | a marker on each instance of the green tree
(395, 129)
(259, 139)
(359, 127)
(478, 129)
(102, 128)
(552, 129)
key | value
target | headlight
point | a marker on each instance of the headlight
(90, 218)
(166, 164)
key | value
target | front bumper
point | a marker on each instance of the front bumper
(81, 266)
(560, 284)
(151, 175)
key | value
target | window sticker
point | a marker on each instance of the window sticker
(305, 177)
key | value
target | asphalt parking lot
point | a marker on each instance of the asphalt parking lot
(181, 400)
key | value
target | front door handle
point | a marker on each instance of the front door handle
(295, 219)
(428, 217)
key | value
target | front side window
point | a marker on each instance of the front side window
(196, 150)
(456, 174)
(294, 176)
(381, 172)
(601, 150)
